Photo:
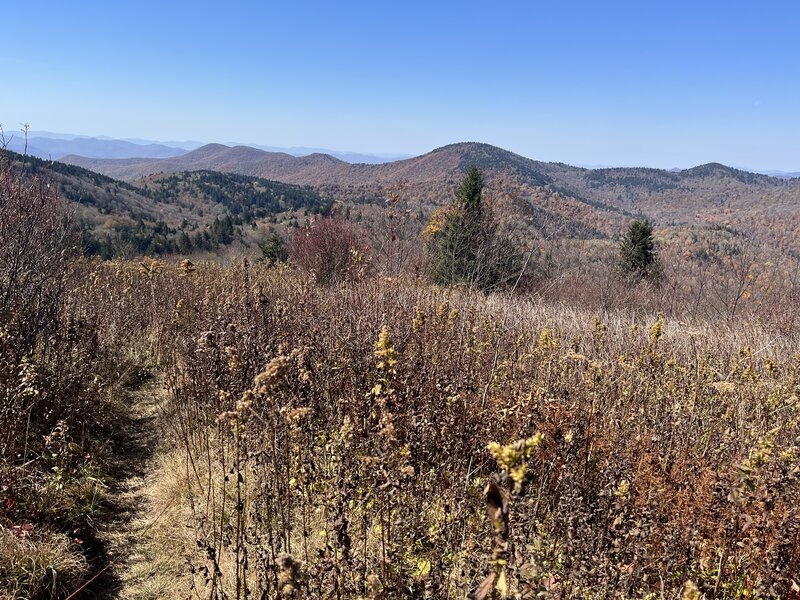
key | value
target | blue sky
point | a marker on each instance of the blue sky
(668, 84)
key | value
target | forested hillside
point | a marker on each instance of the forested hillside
(183, 213)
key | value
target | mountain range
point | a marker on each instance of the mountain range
(48, 145)
(668, 196)
(56, 148)
(541, 200)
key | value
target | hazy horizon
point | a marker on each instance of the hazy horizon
(671, 86)
(189, 145)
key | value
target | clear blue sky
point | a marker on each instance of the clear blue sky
(594, 82)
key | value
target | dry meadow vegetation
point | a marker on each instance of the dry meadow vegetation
(376, 437)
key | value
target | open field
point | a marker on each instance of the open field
(313, 452)
(317, 428)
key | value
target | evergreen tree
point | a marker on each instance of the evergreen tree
(470, 192)
(222, 230)
(465, 245)
(638, 256)
(274, 251)
(184, 243)
(455, 234)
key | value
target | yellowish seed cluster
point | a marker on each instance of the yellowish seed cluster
(272, 374)
(656, 331)
(512, 457)
(186, 268)
(387, 356)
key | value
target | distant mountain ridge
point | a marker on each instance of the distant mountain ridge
(241, 160)
(782, 174)
(49, 145)
(350, 157)
(538, 199)
(540, 196)
(445, 163)
(55, 148)
(318, 168)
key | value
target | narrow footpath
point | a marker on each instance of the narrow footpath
(134, 563)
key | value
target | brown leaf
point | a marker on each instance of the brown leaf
(496, 507)
(484, 589)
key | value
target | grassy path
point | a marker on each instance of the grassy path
(137, 565)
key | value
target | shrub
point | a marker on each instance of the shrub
(53, 409)
(328, 249)
(33, 244)
(32, 278)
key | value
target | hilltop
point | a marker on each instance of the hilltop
(592, 201)
(443, 165)
(317, 168)
(180, 212)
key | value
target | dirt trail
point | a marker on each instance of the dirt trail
(130, 571)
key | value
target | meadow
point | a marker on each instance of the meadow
(384, 437)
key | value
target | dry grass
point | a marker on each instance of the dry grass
(39, 565)
(317, 462)
(157, 570)
(382, 438)
(333, 441)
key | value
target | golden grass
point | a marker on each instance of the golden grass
(39, 565)
(333, 440)
(658, 436)
(157, 569)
